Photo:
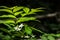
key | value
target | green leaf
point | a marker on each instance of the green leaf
(17, 13)
(23, 19)
(31, 13)
(33, 38)
(11, 8)
(6, 10)
(51, 37)
(24, 14)
(8, 25)
(57, 35)
(4, 7)
(10, 16)
(41, 8)
(35, 10)
(44, 37)
(6, 21)
(36, 30)
(5, 30)
(1, 35)
(26, 10)
(28, 30)
(17, 9)
(12, 25)
(7, 37)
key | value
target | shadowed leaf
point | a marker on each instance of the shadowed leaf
(44, 37)
(4, 7)
(28, 30)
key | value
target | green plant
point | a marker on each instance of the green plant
(50, 36)
(13, 18)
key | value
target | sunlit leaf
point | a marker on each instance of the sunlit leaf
(7, 21)
(23, 19)
(12, 25)
(24, 14)
(6, 10)
(53, 34)
(17, 9)
(26, 10)
(35, 10)
(31, 13)
(17, 13)
(28, 30)
(12, 7)
(10, 16)
(57, 35)
(51, 37)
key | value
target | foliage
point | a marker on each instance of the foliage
(49, 36)
(14, 18)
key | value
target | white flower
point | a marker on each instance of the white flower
(33, 35)
(26, 37)
(21, 25)
(18, 28)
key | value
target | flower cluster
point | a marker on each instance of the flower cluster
(18, 28)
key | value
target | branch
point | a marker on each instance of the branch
(47, 15)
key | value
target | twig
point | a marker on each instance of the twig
(37, 30)
(47, 15)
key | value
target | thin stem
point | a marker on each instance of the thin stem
(37, 30)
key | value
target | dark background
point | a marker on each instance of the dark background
(52, 5)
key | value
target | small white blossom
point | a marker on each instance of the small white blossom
(18, 28)
(21, 25)
(33, 36)
(26, 37)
